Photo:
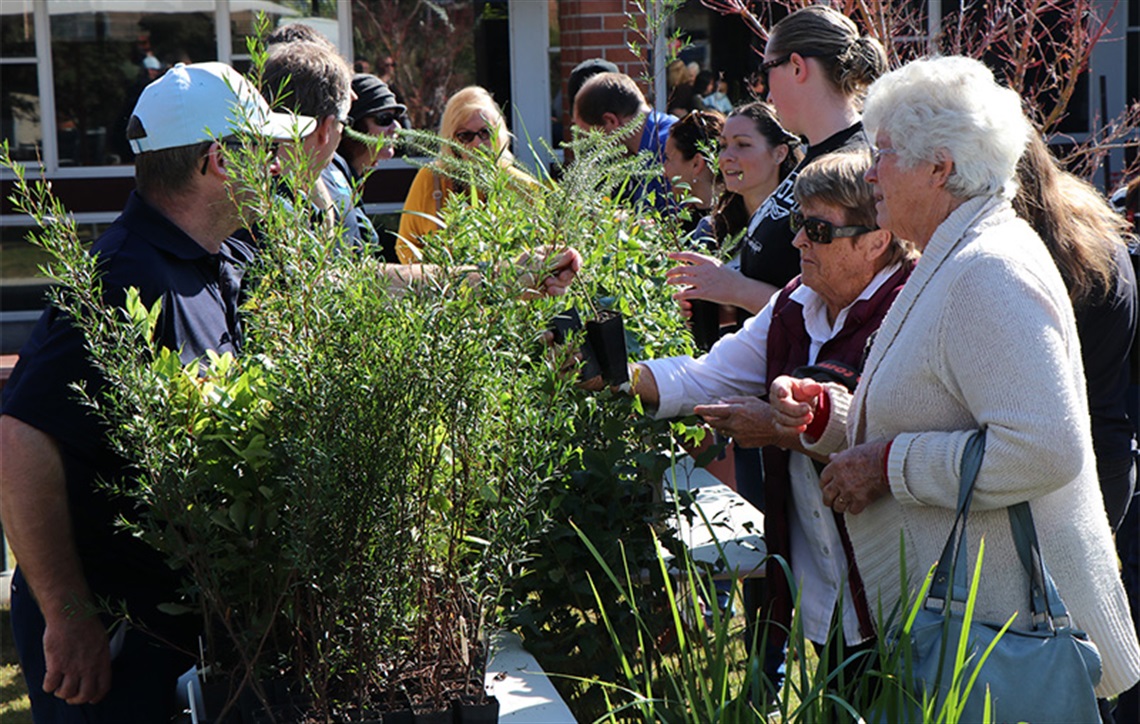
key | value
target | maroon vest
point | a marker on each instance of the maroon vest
(788, 347)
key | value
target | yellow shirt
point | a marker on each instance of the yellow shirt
(422, 198)
(427, 195)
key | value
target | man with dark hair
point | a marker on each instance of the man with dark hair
(312, 80)
(611, 102)
(298, 33)
(172, 242)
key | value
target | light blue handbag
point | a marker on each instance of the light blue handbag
(1044, 675)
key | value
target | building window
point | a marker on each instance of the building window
(101, 61)
(20, 122)
(99, 57)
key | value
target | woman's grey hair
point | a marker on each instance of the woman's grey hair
(952, 106)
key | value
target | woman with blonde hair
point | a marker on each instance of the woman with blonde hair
(474, 123)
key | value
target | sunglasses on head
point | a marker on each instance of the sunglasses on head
(465, 137)
(819, 231)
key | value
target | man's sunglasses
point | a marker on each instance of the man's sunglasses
(465, 137)
(386, 119)
(383, 120)
(819, 231)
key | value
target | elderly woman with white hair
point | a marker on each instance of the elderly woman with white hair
(981, 337)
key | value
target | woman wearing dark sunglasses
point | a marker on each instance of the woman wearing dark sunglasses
(852, 272)
(474, 124)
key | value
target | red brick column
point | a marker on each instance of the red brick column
(600, 29)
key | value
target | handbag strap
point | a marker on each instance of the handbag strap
(955, 548)
(1045, 602)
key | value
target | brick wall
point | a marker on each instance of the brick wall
(600, 29)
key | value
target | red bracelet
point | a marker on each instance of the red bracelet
(818, 424)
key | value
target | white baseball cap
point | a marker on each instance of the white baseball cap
(205, 101)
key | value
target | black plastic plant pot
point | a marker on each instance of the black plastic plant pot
(485, 712)
(284, 704)
(705, 323)
(606, 336)
(433, 717)
(561, 326)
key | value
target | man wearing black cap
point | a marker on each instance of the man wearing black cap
(374, 115)
(584, 71)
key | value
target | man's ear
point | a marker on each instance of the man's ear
(610, 122)
(215, 161)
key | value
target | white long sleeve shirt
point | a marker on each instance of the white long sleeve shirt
(737, 365)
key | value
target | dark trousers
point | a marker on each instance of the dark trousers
(1117, 484)
(143, 675)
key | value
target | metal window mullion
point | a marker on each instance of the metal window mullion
(933, 19)
(49, 140)
(223, 31)
(660, 89)
(344, 31)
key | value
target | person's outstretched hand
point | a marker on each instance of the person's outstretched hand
(794, 402)
(702, 277)
(747, 420)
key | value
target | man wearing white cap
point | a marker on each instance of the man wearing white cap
(172, 243)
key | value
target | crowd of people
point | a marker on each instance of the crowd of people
(894, 260)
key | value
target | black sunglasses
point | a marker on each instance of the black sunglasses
(386, 119)
(466, 137)
(768, 65)
(383, 119)
(819, 231)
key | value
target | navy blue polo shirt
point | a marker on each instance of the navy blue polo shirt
(200, 299)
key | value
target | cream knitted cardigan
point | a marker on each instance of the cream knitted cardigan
(983, 335)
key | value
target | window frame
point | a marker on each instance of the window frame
(49, 141)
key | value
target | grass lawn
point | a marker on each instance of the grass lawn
(14, 706)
